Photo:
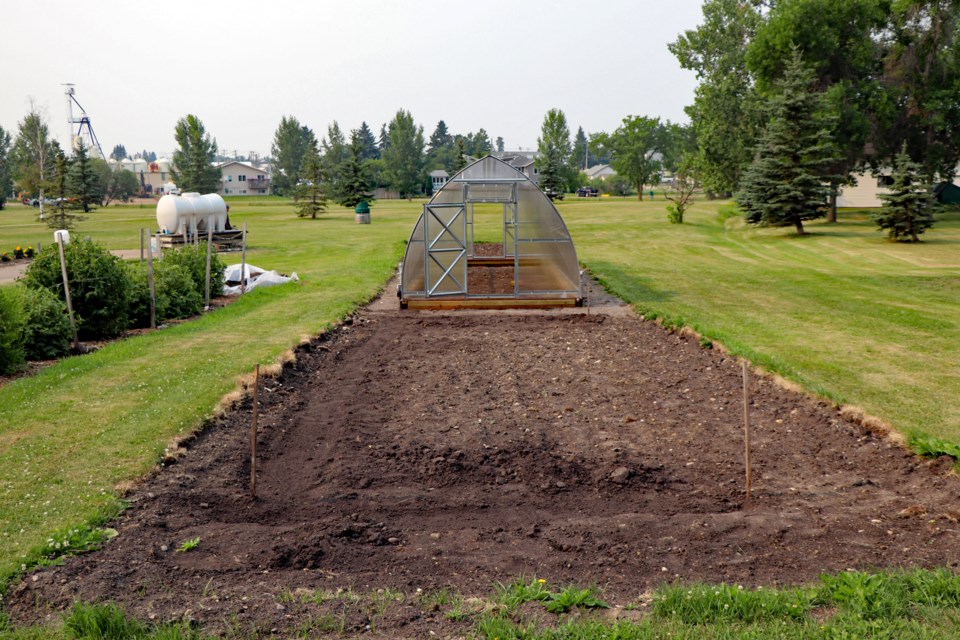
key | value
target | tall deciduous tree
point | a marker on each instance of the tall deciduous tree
(310, 194)
(290, 142)
(194, 157)
(403, 155)
(726, 112)
(6, 178)
(633, 148)
(785, 185)
(907, 209)
(83, 181)
(116, 183)
(555, 149)
(33, 155)
(922, 63)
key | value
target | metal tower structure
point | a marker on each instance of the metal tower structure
(80, 128)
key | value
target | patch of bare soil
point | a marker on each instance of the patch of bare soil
(421, 450)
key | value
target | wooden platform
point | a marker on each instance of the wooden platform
(489, 303)
(222, 240)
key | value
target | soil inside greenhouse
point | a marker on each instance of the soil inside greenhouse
(414, 451)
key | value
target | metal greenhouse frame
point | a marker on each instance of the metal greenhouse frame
(536, 264)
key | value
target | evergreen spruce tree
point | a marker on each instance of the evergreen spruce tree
(787, 182)
(907, 209)
(355, 176)
(83, 181)
(309, 196)
(58, 188)
(555, 151)
(384, 141)
(369, 143)
(460, 161)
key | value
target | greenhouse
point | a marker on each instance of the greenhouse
(533, 263)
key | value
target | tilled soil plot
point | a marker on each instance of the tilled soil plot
(420, 450)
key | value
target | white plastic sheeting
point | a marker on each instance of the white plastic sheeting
(255, 276)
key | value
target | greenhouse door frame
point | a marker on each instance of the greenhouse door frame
(435, 230)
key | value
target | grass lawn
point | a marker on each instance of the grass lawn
(842, 311)
(73, 432)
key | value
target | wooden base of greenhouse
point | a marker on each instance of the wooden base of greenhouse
(437, 304)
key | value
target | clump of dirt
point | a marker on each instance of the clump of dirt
(421, 450)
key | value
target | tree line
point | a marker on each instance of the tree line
(347, 166)
(61, 186)
(798, 96)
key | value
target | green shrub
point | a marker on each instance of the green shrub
(99, 286)
(138, 308)
(138, 296)
(174, 283)
(194, 260)
(47, 331)
(12, 323)
(176, 293)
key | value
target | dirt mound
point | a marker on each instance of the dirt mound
(421, 450)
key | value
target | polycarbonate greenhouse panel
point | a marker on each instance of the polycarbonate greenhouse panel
(440, 250)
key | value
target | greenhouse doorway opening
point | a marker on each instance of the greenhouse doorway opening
(457, 258)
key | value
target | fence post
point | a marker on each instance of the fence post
(66, 291)
(150, 280)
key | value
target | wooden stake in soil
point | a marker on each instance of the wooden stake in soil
(209, 249)
(243, 259)
(746, 424)
(66, 291)
(253, 434)
(141, 244)
(150, 281)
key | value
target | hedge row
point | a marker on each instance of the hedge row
(108, 295)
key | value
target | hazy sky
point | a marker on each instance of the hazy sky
(241, 65)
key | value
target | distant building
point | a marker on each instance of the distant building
(438, 178)
(601, 171)
(241, 179)
(522, 161)
(152, 176)
(866, 193)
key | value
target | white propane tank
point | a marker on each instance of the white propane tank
(192, 213)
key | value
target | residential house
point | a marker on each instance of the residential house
(241, 179)
(865, 194)
(601, 171)
(522, 161)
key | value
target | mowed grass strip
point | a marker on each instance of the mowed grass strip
(71, 433)
(843, 311)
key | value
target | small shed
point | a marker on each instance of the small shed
(438, 178)
(947, 193)
(535, 265)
